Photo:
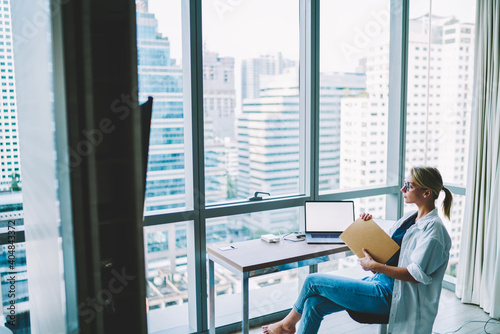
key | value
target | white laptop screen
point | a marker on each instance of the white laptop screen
(329, 216)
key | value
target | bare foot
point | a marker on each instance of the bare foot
(277, 328)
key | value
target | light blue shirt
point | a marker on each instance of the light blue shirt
(425, 251)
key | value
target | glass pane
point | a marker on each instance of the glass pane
(440, 73)
(250, 226)
(375, 205)
(167, 276)
(12, 250)
(268, 293)
(354, 81)
(159, 54)
(251, 98)
(454, 227)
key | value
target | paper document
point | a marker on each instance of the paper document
(368, 235)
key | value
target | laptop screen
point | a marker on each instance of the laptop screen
(334, 216)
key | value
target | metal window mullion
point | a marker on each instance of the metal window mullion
(396, 134)
(305, 158)
(197, 274)
(244, 208)
(169, 218)
(360, 193)
(229, 209)
(309, 94)
(458, 190)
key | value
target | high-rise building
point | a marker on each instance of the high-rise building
(268, 136)
(160, 77)
(364, 148)
(12, 255)
(363, 119)
(219, 103)
(219, 96)
(9, 140)
(252, 70)
(334, 87)
(438, 110)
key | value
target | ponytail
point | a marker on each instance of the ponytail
(430, 178)
(448, 200)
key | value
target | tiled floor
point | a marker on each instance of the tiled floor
(451, 316)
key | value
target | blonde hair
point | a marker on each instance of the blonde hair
(430, 178)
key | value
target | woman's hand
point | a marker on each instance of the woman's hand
(367, 262)
(365, 216)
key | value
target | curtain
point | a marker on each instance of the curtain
(478, 279)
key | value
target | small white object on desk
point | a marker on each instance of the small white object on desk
(270, 238)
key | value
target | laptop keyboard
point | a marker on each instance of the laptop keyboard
(325, 235)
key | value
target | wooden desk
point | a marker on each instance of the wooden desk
(256, 257)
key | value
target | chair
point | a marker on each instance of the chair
(370, 318)
(146, 110)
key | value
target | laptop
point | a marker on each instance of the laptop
(325, 221)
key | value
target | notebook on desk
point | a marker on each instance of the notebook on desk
(326, 221)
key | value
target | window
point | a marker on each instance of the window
(283, 286)
(252, 143)
(444, 134)
(257, 130)
(354, 79)
(167, 274)
(160, 70)
(161, 74)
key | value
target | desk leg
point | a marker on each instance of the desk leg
(245, 326)
(211, 295)
(313, 268)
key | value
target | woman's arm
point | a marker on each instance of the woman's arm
(368, 263)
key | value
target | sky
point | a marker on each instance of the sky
(250, 28)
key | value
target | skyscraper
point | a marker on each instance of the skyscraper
(438, 110)
(219, 94)
(252, 70)
(334, 87)
(160, 77)
(12, 256)
(219, 103)
(9, 141)
(268, 136)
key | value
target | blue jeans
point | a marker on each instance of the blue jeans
(323, 294)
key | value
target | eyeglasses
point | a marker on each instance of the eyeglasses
(407, 186)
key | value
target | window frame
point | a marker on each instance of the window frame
(196, 209)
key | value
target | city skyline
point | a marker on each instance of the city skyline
(232, 13)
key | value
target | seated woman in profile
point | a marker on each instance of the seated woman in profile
(407, 287)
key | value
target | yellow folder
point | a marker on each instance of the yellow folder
(368, 235)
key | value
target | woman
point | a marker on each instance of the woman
(407, 287)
